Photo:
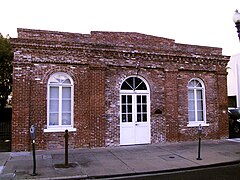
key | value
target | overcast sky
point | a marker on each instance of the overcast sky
(198, 22)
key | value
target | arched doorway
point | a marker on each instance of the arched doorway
(134, 111)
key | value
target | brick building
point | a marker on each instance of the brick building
(115, 88)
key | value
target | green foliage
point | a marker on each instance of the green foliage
(6, 57)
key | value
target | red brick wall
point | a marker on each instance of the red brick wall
(222, 106)
(97, 107)
(171, 106)
(98, 63)
(21, 109)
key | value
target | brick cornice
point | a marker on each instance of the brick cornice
(108, 52)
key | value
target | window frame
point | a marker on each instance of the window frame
(60, 86)
(196, 123)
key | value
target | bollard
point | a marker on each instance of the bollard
(33, 136)
(66, 148)
(66, 164)
(199, 142)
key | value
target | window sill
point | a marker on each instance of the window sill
(196, 124)
(59, 129)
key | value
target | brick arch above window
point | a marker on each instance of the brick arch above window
(68, 71)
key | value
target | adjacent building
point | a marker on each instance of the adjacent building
(233, 81)
(115, 88)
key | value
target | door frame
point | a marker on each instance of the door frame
(134, 94)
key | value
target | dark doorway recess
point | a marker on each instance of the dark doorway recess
(5, 129)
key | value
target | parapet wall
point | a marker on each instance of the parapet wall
(127, 39)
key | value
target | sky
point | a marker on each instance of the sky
(196, 22)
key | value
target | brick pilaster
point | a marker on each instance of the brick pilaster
(171, 108)
(97, 106)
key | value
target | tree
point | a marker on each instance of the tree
(6, 57)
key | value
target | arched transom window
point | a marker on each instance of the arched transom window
(196, 102)
(60, 102)
(133, 83)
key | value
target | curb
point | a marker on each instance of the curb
(65, 177)
(166, 171)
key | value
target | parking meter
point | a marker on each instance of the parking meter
(32, 132)
(199, 130)
(33, 136)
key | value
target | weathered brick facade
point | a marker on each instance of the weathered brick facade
(98, 63)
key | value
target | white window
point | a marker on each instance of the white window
(196, 103)
(60, 103)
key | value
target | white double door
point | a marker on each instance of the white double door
(135, 119)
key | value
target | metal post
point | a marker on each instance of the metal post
(199, 142)
(33, 137)
(66, 148)
(34, 158)
(199, 149)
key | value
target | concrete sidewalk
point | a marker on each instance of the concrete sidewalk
(118, 161)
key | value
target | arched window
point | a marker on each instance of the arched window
(196, 102)
(60, 103)
(133, 83)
